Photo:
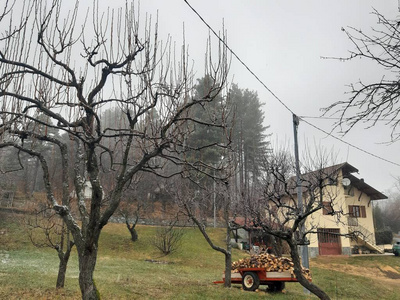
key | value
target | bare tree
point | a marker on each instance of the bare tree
(70, 71)
(192, 199)
(277, 211)
(130, 213)
(131, 208)
(198, 190)
(46, 229)
(374, 101)
(14, 26)
(168, 239)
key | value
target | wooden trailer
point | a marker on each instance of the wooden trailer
(252, 278)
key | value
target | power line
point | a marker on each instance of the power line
(345, 119)
(351, 145)
(277, 98)
(238, 58)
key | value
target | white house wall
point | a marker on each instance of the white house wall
(340, 221)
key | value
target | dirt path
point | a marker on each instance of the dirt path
(383, 273)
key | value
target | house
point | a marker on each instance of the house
(345, 223)
(343, 226)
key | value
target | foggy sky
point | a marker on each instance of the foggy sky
(283, 42)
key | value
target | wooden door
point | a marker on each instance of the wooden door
(329, 241)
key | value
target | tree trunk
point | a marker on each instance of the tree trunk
(278, 246)
(228, 256)
(246, 172)
(62, 267)
(34, 179)
(132, 230)
(134, 235)
(241, 162)
(294, 253)
(228, 269)
(87, 263)
(228, 253)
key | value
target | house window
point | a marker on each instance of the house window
(327, 208)
(331, 181)
(349, 191)
(357, 211)
(329, 235)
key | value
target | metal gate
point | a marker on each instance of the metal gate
(329, 241)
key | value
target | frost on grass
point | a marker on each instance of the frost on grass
(4, 257)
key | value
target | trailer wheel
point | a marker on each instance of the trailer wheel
(277, 286)
(250, 281)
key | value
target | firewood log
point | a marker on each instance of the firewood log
(270, 262)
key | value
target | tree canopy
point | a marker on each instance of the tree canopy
(61, 70)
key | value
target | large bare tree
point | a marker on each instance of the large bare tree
(70, 66)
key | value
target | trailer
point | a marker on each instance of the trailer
(252, 278)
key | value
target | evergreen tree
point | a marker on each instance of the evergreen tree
(248, 133)
(204, 129)
(249, 137)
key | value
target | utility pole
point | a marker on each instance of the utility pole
(303, 248)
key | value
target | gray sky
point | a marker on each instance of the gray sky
(282, 42)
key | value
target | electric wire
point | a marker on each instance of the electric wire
(345, 119)
(238, 58)
(277, 98)
(351, 145)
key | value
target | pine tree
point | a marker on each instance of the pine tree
(249, 137)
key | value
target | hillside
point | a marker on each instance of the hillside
(127, 270)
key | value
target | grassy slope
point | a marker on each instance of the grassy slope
(122, 271)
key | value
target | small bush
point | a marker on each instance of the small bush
(168, 239)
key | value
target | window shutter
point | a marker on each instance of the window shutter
(327, 208)
(351, 212)
(363, 213)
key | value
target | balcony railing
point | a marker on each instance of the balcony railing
(361, 232)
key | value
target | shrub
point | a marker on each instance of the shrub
(168, 239)
(383, 237)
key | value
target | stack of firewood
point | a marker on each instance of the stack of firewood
(270, 262)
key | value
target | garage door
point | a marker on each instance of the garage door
(329, 241)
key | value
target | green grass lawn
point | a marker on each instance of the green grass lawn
(123, 272)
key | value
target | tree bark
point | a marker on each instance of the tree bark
(87, 264)
(62, 267)
(134, 235)
(132, 230)
(228, 253)
(228, 269)
(294, 253)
